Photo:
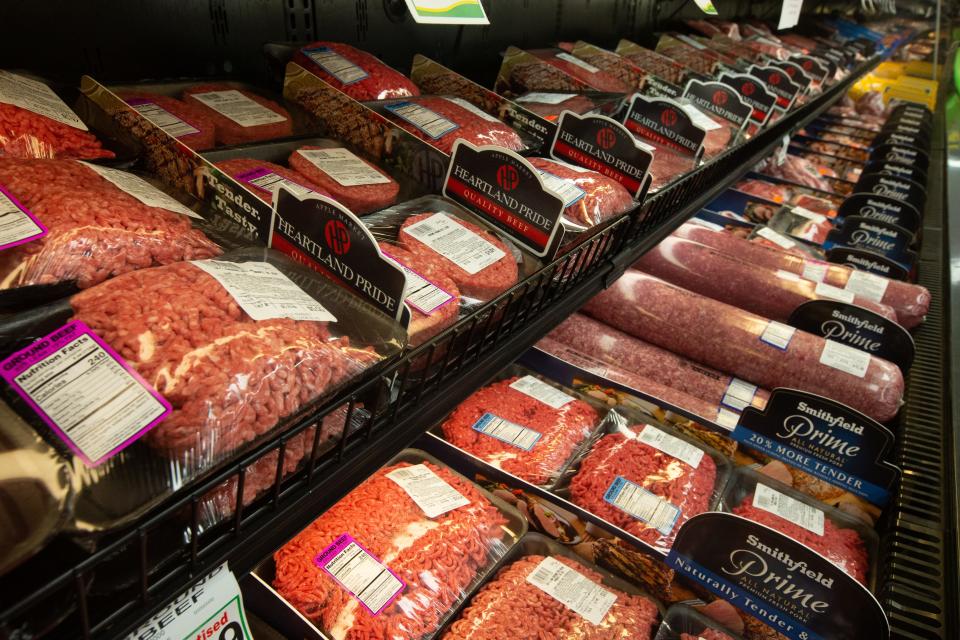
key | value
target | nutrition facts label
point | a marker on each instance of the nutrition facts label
(421, 294)
(642, 505)
(336, 65)
(159, 116)
(670, 445)
(428, 490)
(37, 97)
(344, 167)
(270, 182)
(790, 509)
(17, 224)
(778, 335)
(357, 571)
(428, 121)
(455, 242)
(540, 390)
(568, 190)
(510, 432)
(577, 592)
(142, 190)
(84, 391)
(239, 108)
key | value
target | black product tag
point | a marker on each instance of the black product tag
(824, 438)
(903, 189)
(902, 139)
(856, 327)
(818, 68)
(882, 209)
(754, 93)
(665, 122)
(602, 145)
(895, 169)
(325, 236)
(868, 261)
(891, 240)
(719, 99)
(903, 155)
(797, 75)
(913, 110)
(505, 191)
(778, 83)
(784, 584)
(921, 132)
(657, 87)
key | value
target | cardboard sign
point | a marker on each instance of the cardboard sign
(754, 92)
(719, 99)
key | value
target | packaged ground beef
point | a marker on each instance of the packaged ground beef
(647, 480)
(359, 74)
(265, 178)
(355, 183)
(188, 123)
(441, 121)
(589, 197)
(683, 622)
(581, 70)
(239, 115)
(398, 554)
(82, 224)
(524, 425)
(551, 105)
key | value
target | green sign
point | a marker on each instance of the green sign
(447, 11)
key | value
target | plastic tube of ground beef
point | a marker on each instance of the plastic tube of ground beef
(95, 230)
(766, 292)
(441, 121)
(359, 74)
(589, 197)
(648, 480)
(685, 623)
(357, 184)
(764, 351)
(432, 562)
(188, 123)
(534, 596)
(265, 178)
(909, 301)
(840, 538)
(523, 424)
(239, 115)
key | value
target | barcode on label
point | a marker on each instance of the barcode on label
(739, 394)
(336, 65)
(642, 505)
(671, 445)
(574, 590)
(343, 166)
(17, 224)
(428, 121)
(540, 390)
(455, 242)
(159, 116)
(361, 574)
(239, 108)
(790, 509)
(778, 335)
(568, 190)
(506, 431)
(428, 490)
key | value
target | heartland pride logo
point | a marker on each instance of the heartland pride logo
(337, 236)
(508, 177)
(748, 88)
(774, 79)
(720, 98)
(606, 138)
(668, 117)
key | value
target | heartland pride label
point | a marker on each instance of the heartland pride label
(828, 440)
(795, 72)
(17, 223)
(663, 121)
(778, 83)
(84, 391)
(719, 99)
(754, 93)
(360, 573)
(603, 145)
(817, 68)
(784, 584)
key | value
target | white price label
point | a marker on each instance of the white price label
(727, 419)
(17, 224)
(137, 187)
(162, 118)
(545, 98)
(574, 590)
(642, 504)
(778, 335)
(362, 575)
(814, 270)
(831, 292)
(540, 390)
(867, 285)
(336, 65)
(699, 118)
(455, 242)
(776, 238)
(789, 14)
(37, 97)
(270, 182)
(809, 215)
(421, 294)
(568, 190)
(670, 445)
(427, 120)
(343, 166)
(510, 432)
(845, 358)
(739, 394)
(241, 109)
(428, 490)
(472, 108)
(790, 509)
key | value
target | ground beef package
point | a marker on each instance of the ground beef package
(264, 178)
(352, 181)
(359, 74)
(581, 70)
(441, 121)
(188, 123)
(239, 115)
(590, 197)
(530, 599)
(550, 105)
(524, 425)
(648, 480)
(426, 536)
(95, 228)
(683, 622)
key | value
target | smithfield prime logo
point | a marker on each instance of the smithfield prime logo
(337, 236)
(507, 177)
(606, 138)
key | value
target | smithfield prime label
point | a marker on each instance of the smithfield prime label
(665, 122)
(656, 87)
(856, 327)
(868, 261)
(901, 154)
(777, 580)
(504, 190)
(817, 68)
(824, 438)
(903, 189)
(323, 235)
(882, 209)
(17, 223)
(362, 575)
(796, 73)
(719, 99)
(84, 391)
(603, 145)
(901, 138)
(896, 170)
(754, 93)
(891, 240)
(778, 83)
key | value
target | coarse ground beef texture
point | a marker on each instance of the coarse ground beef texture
(471, 127)
(247, 170)
(229, 131)
(381, 82)
(561, 431)
(622, 454)
(438, 558)
(603, 198)
(484, 285)
(228, 377)
(424, 326)
(190, 114)
(96, 231)
(25, 134)
(359, 198)
(842, 547)
(511, 608)
(582, 71)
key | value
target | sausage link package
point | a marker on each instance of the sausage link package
(543, 590)
(909, 301)
(686, 623)
(763, 351)
(357, 73)
(239, 115)
(589, 197)
(397, 555)
(524, 424)
(772, 294)
(645, 479)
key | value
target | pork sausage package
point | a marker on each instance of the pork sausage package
(544, 589)
(233, 347)
(397, 555)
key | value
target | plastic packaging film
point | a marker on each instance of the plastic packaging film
(590, 197)
(239, 115)
(683, 622)
(359, 74)
(264, 178)
(352, 181)
(186, 122)
(441, 121)
(581, 70)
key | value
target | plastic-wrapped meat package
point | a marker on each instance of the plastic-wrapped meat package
(357, 184)
(188, 123)
(832, 166)
(797, 222)
(522, 425)
(434, 300)
(620, 349)
(767, 190)
(511, 607)
(239, 115)
(724, 277)
(442, 121)
(551, 105)
(691, 58)
(25, 133)
(435, 558)
(719, 135)
(871, 104)
(359, 74)
(909, 301)
(795, 169)
(582, 71)
(667, 165)
(265, 178)
(630, 480)
(95, 230)
(591, 197)
(817, 204)
(752, 347)
(229, 377)
(657, 64)
(706, 634)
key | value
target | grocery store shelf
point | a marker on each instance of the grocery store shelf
(149, 565)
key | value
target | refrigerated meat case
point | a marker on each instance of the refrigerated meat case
(140, 571)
